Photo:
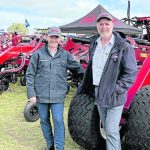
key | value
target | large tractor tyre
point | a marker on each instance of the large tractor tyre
(23, 81)
(84, 123)
(137, 136)
(31, 113)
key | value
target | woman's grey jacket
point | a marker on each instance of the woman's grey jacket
(46, 76)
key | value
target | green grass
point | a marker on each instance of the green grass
(15, 132)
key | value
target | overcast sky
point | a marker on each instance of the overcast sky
(45, 13)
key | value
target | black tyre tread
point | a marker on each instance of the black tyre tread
(138, 122)
(83, 123)
(23, 81)
(27, 112)
(5, 85)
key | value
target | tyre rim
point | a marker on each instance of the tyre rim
(34, 111)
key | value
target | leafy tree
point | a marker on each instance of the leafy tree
(17, 27)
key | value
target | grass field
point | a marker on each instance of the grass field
(15, 132)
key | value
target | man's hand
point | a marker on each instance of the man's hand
(33, 99)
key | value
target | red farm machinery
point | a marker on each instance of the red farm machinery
(15, 51)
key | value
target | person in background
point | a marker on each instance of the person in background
(16, 39)
(46, 80)
(111, 71)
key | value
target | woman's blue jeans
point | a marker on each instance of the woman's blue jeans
(57, 109)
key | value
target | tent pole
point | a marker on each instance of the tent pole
(128, 12)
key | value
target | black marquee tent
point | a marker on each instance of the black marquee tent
(87, 24)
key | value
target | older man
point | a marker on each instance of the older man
(111, 71)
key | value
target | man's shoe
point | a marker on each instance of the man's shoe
(52, 148)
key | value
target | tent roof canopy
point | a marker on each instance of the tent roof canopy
(87, 24)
